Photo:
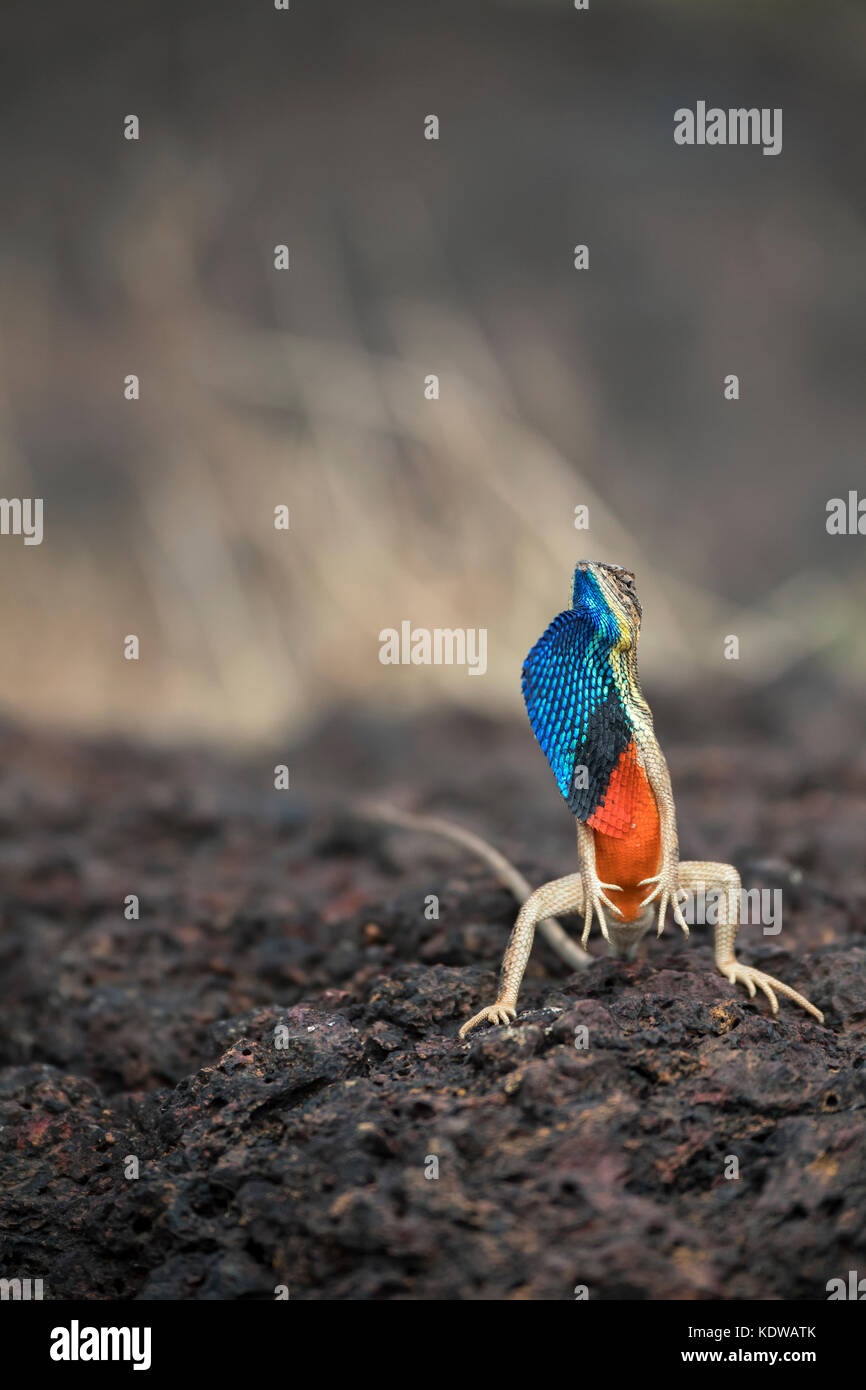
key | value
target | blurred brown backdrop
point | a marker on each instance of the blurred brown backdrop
(409, 257)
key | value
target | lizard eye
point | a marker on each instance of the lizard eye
(628, 587)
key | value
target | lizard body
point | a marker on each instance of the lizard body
(587, 710)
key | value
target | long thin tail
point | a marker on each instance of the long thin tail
(508, 876)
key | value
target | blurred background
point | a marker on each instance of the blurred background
(149, 784)
(558, 388)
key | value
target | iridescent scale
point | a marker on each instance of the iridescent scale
(577, 710)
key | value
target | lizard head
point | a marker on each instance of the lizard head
(607, 595)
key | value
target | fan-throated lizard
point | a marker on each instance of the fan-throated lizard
(587, 710)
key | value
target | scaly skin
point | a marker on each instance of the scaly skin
(586, 706)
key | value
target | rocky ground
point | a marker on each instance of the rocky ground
(274, 1040)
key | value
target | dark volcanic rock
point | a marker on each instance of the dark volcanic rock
(259, 1081)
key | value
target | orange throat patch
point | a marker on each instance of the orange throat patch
(627, 834)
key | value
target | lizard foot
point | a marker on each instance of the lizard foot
(496, 1013)
(596, 901)
(669, 893)
(747, 975)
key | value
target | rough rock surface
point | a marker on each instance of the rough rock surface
(274, 1040)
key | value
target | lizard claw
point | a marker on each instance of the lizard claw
(614, 888)
(677, 910)
(747, 975)
(657, 880)
(587, 923)
(669, 893)
(596, 900)
(499, 1012)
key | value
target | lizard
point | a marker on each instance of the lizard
(588, 712)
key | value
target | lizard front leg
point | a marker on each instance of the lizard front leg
(560, 895)
(696, 877)
(594, 900)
